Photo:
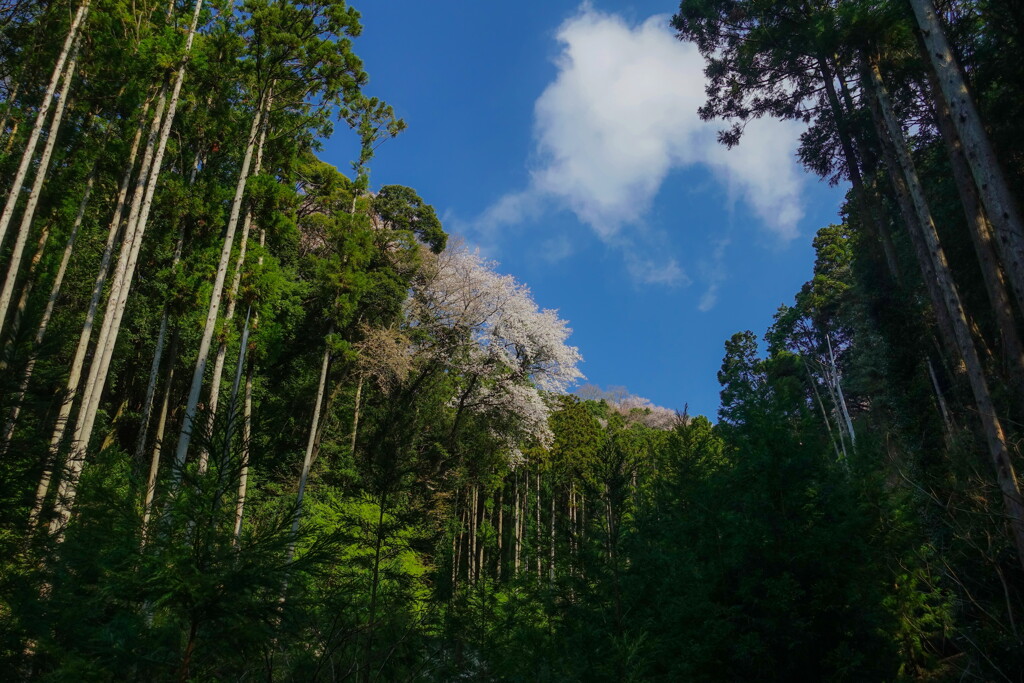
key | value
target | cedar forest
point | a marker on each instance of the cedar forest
(262, 421)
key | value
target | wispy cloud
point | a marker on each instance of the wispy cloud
(619, 116)
(713, 272)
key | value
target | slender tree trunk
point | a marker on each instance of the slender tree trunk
(501, 516)
(236, 281)
(537, 530)
(517, 526)
(867, 203)
(78, 361)
(154, 370)
(981, 236)
(947, 420)
(994, 433)
(120, 286)
(44, 110)
(839, 393)
(14, 263)
(161, 429)
(26, 293)
(471, 556)
(374, 584)
(243, 479)
(44, 322)
(308, 458)
(996, 194)
(218, 290)
(551, 550)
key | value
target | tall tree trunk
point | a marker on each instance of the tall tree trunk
(154, 370)
(980, 231)
(161, 429)
(501, 516)
(78, 361)
(243, 478)
(218, 290)
(551, 550)
(44, 322)
(44, 110)
(517, 523)
(994, 433)
(374, 585)
(471, 556)
(996, 195)
(537, 530)
(868, 204)
(307, 460)
(120, 286)
(236, 281)
(14, 263)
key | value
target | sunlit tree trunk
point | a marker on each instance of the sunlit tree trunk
(44, 110)
(161, 429)
(981, 236)
(307, 459)
(44, 322)
(120, 286)
(213, 309)
(21, 238)
(950, 299)
(236, 281)
(78, 361)
(996, 194)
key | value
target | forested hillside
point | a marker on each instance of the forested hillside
(262, 420)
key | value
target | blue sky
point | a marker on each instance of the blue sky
(562, 139)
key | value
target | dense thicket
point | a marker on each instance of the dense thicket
(260, 420)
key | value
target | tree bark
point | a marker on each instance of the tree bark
(120, 286)
(995, 192)
(78, 361)
(218, 290)
(14, 262)
(44, 322)
(308, 458)
(981, 236)
(44, 110)
(950, 299)
(236, 281)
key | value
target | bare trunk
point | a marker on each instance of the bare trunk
(355, 414)
(839, 393)
(471, 568)
(243, 479)
(120, 287)
(517, 525)
(44, 322)
(996, 195)
(947, 420)
(218, 291)
(536, 531)
(44, 110)
(21, 239)
(308, 458)
(154, 370)
(77, 363)
(994, 433)
(867, 202)
(551, 550)
(161, 429)
(236, 281)
(981, 235)
(501, 516)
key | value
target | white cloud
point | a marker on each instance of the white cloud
(619, 116)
